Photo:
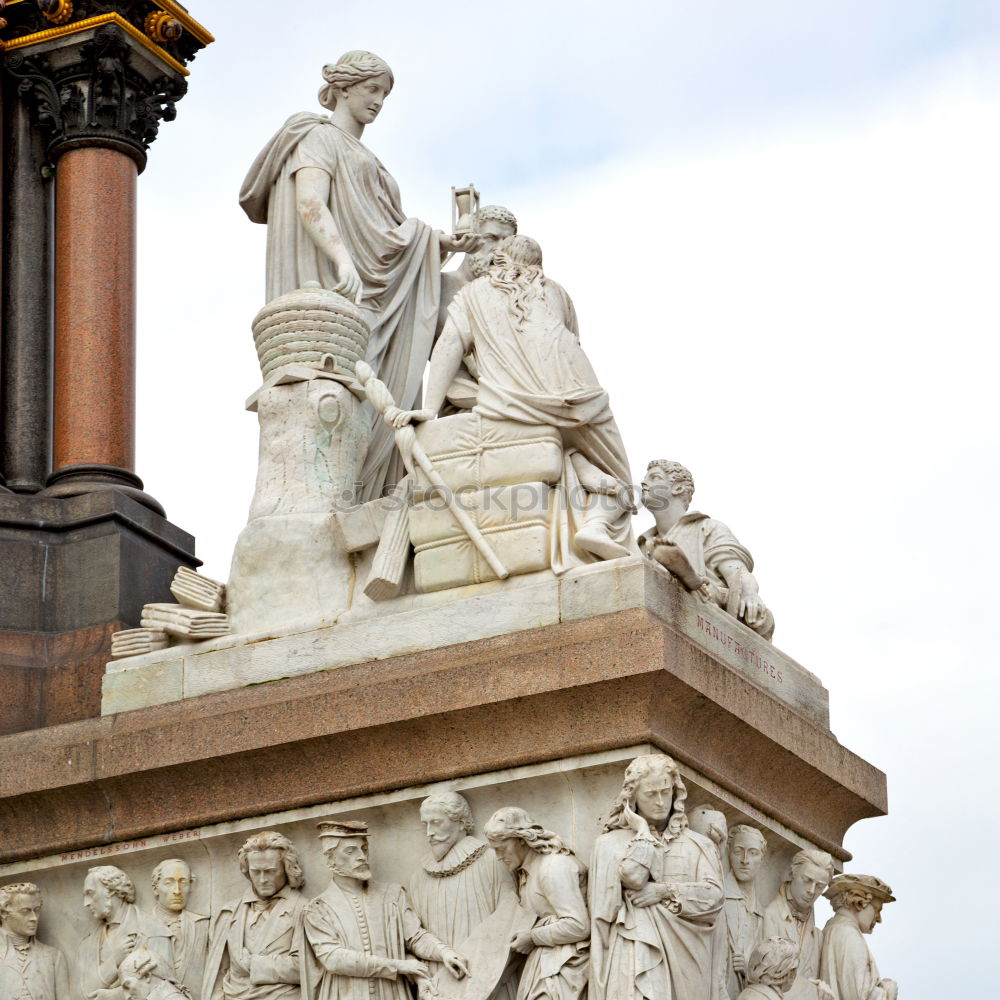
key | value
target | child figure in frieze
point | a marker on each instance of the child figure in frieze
(144, 978)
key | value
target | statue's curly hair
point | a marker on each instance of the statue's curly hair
(679, 476)
(773, 962)
(512, 823)
(517, 271)
(624, 815)
(8, 892)
(115, 881)
(454, 806)
(352, 67)
(271, 841)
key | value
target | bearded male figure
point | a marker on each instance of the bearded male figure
(29, 970)
(253, 943)
(360, 936)
(519, 331)
(460, 881)
(172, 881)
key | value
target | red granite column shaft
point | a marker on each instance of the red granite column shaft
(95, 277)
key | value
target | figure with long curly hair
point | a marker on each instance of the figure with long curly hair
(552, 885)
(334, 216)
(519, 329)
(253, 947)
(656, 889)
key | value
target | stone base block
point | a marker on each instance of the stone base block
(73, 571)
(434, 621)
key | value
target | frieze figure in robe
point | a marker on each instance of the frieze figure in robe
(700, 551)
(656, 889)
(253, 941)
(790, 915)
(519, 331)
(29, 970)
(846, 962)
(747, 849)
(172, 881)
(770, 970)
(109, 895)
(552, 885)
(144, 978)
(334, 216)
(362, 938)
(460, 881)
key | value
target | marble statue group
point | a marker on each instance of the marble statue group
(666, 907)
(469, 395)
(422, 429)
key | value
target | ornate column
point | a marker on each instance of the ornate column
(97, 79)
(84, 87)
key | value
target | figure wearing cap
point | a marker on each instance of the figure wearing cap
(362, 939)
(846, 962)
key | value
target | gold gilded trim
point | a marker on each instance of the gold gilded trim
(176, 10)
(95, 22)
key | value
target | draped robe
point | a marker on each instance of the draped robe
(347, 937)
(648, 952)
(535, 372)
(453, 896)
(398, 259)
(846, 963)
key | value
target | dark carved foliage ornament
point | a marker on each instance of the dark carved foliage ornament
(98, 99)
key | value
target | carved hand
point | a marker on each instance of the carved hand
(522, 943)
(460, 243)
(823, 991)
(890, 987)
(397, 418)
(457, 965)
(739, 962)
(654, 892)
(412, 967)
(347, 274)
(125, 948)
(752, 609)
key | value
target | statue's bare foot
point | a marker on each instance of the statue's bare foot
(596, 539)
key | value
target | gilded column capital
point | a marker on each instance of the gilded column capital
(99, 73)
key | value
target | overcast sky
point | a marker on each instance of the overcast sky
(779, 222)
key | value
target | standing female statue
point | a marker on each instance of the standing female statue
(333, 216)
(656, 888)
